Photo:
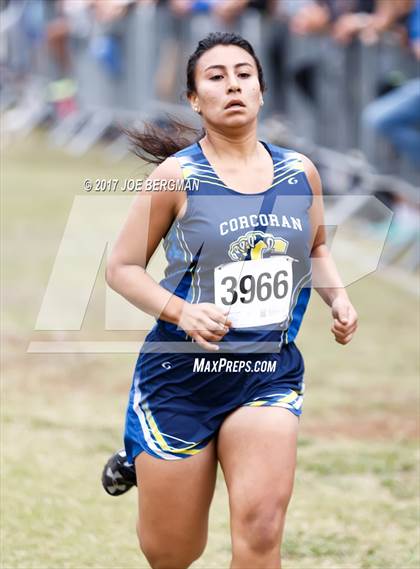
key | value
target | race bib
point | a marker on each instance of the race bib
(258, 292)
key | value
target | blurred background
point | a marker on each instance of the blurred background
(343, 88)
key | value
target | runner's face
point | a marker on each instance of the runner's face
(224, 73)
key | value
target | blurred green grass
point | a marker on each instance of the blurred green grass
(356, 496)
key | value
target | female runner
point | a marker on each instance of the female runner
(219, 377)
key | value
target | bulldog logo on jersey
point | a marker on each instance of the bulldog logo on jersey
(256, 245)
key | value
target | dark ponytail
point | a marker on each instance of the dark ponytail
(154, 143)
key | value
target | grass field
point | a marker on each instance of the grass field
(356, 496)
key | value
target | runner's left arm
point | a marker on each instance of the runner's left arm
(325, 277)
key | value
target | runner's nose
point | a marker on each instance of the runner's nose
(233, 84)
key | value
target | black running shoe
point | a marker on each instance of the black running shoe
(118, 476)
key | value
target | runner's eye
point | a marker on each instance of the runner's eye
(215, 77)
(244, 75)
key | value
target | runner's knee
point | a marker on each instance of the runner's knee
(172, 554)
(260, 524)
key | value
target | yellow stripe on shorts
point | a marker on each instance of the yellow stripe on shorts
(257, 403)
(161, 441)
(286, 400)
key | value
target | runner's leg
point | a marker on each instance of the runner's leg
(174, 503)
(257, 451)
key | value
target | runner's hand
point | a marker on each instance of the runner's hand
(344, 320)
(205, 322)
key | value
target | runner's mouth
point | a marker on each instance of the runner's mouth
(235, 103)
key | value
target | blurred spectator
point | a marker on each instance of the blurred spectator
(62, 90)
(348, 19)
(106, 43)
(29, 34)
(368, 24)
(216, 14)
(413, 28)
(396, 115)
(110, 10)
(224, 11)
(345, 20)
(322, 16)
(312, 18)
(99, 23)
(22, 77)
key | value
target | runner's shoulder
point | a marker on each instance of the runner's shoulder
(288, 153)
(169, 169)
(311, 172)
(159, 181)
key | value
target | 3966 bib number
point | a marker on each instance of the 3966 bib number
(264, 287)
(258, 291)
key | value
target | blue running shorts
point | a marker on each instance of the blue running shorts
(178, 401)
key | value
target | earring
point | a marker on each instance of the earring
(197, 110)
(262, 102)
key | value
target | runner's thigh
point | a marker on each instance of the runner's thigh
(257, 452)
(174, 499)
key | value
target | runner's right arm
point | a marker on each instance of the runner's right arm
(149, 219)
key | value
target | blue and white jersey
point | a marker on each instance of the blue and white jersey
(247, 252)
